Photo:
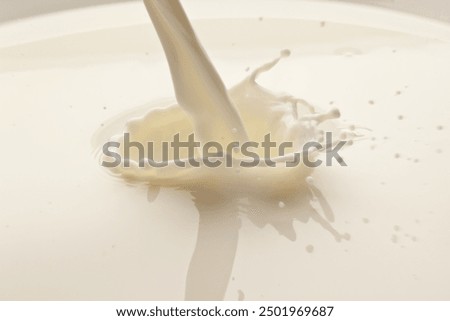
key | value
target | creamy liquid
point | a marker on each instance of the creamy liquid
(247, 112)
(68, 231)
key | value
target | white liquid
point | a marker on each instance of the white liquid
(69, 232)
(248, 112)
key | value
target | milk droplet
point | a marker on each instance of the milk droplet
(335, 113)
(309, 248)
(309, 180)
(281, 204)
(285, 53)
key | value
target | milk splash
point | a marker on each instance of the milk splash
(247, 112)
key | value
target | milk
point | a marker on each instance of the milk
(71, 231)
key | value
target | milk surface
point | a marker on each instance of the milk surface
(71, 231)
